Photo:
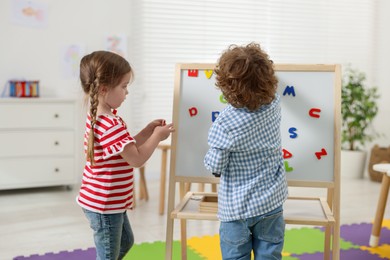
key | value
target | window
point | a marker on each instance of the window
(301, 31)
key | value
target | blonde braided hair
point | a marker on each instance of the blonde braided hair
(94, 102)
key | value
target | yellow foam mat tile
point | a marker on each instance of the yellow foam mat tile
(382, 251)
(207, 246)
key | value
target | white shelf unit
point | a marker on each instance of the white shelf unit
(37, 142)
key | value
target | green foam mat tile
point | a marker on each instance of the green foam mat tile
(308, 240)
(289, 258)
(156, 250)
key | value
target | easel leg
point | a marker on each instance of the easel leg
(162, 179)
(376, 227)
(169, 239)
(170, 221)
(184, 188)
(336, 240)
(327, 242)
(183, 239)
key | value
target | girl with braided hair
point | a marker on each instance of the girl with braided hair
(106, 190)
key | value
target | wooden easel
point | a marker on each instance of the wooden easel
(299, 209)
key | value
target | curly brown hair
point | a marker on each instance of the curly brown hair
(246, 76)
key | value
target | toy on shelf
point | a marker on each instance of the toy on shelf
(24, 88)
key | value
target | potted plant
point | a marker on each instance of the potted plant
(358, 109)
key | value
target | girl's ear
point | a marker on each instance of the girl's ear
(103, 89)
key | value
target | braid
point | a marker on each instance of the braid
(94, 101)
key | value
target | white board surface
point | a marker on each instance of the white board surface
(307, 99)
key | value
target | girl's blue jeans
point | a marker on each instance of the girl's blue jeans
(263, 234)
(112, 234)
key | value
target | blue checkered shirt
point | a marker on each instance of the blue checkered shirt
(245, 148)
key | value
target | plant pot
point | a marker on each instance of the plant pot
(352, 164)
(378, 155)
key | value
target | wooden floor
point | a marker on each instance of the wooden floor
(36, 221)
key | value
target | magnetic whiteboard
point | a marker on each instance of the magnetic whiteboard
(309, 100)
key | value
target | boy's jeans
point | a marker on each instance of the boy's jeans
(112, 234)
(263, 234)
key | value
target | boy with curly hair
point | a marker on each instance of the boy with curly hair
(245, 151)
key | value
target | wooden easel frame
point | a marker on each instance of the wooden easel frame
(326, 211)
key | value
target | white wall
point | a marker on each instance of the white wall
(35, 53)
(380, 77)
(381, 74)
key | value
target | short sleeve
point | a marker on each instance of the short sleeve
(220, 143)
(114, 140)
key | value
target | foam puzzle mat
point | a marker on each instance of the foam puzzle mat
(300, 244)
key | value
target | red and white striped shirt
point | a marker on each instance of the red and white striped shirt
(107, 186)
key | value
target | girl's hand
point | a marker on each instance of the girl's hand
(157, 122)
(164, 131)
(136, 154)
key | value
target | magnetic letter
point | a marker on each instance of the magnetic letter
(286, 154)
(222, 99)
(292, 131)
(208, 73)
(289, 90)
(315, 112)
(192, 73)
(193, 111)
(287, 167)
(320, 154)
(214, 115)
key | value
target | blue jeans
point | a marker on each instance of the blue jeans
(112, 234)
(263, 234)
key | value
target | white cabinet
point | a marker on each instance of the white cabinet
(38, 142)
